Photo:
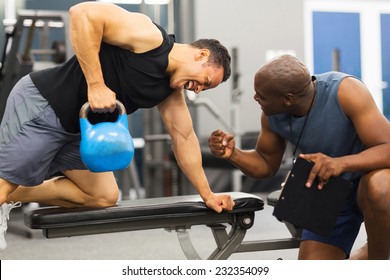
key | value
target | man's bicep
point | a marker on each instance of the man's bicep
(119, 27)
(175, 114)
(270, 145)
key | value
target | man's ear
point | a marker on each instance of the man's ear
(202, 54)
(288, 99)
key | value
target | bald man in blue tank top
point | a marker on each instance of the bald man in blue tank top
(119, 55)
(334, 120)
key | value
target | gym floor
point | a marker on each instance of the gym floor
(144, 245)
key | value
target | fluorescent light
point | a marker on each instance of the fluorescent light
(157, 2)
(122, 1)
(148, 2)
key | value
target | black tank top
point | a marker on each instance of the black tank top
(139, 81)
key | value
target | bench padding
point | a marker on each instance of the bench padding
(173, 209)
(178, 214)
(273, 197)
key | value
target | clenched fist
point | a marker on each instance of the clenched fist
(221, 144)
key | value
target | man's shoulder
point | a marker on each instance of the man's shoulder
(331, 75)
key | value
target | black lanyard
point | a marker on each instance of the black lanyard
(304, 125)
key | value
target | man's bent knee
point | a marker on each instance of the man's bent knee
(375, 187)
(105, 200)
(6, 188)
(100, 189)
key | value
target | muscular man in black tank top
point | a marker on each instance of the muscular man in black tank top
(125, 56)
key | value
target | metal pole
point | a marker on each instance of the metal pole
(235, 116)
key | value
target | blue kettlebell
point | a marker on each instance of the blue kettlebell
(106, 146)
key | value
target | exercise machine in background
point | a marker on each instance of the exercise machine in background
(35, 40)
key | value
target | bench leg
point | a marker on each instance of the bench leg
(226, 244)
(186, 244)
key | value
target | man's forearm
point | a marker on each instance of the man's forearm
(251, 164)
(189, 158)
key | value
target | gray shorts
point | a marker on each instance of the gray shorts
(33, 144)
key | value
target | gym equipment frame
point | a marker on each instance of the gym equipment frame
(177, 213)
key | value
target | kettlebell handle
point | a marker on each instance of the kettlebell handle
(85, 109)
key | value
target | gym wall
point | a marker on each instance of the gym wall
(253, 27)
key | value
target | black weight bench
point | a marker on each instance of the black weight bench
(173, 213)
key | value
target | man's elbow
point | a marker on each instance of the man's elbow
(257, 173)
(82, 9)
(76, 9)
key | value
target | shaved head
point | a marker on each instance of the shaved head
(283, 74)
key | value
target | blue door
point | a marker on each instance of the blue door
(336, 36)
(385, 45)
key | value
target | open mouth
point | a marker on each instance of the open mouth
(189, 85)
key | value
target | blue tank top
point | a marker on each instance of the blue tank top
(139, 81)
(328, 130)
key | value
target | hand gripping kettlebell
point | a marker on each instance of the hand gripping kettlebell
(105, 146)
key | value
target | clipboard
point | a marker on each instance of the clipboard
(310, 208)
